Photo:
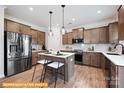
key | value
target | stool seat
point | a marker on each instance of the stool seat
(55, 65)
(43, 61)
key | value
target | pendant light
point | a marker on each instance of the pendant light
(50, 31)
(63, 27)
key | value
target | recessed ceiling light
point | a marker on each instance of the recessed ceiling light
(99, 11)
(57, 24)
(73, 19)
(31, 9)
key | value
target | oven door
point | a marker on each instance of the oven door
(78, 58)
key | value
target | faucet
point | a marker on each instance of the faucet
(122, 47)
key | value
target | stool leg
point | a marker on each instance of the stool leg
(45, 67)
(56, 76)
(33, 73)
(42, 74)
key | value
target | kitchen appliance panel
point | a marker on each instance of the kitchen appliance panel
(17, 53)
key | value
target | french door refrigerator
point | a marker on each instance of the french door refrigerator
(17, 53)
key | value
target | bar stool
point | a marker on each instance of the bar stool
(44, 63)
(56, 66)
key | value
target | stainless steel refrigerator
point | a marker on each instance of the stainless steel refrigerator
(17, 53)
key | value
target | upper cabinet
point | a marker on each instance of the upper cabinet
(65, 38)
(70, 37)
(41, 37)
(103, 34)
(87, 36)
(113, 32)
(78, 33)
(96, 35)
(121, 23)
(25, 29)
(34, 36)
(12, 26)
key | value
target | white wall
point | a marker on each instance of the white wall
(54, 42)
(1, 41)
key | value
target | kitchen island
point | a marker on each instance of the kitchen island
(66, 58)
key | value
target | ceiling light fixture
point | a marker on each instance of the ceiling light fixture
(63, 27)
(73, 19)
(50, 31)
(31, 9)
(99, 11)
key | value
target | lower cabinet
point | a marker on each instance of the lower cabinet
(91, 59)
(86, 58)
(113, 76)
(110, 70)
(34, 58)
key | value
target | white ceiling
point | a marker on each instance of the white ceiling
(83, 14)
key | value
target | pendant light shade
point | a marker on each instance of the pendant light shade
(50, 26)
(63, 31)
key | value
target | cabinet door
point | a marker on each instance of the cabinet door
(41, 38)
(70, 37)
(65, 38)
(113, 33)
(95, 59)
(34, 58)
(12, 26)
(75, 33)
(86, 58)
(25, 29)
(121, 23)
(81, 33)
(103, 34)
(95, 36)
(113, 76)
(87, 36)
(34, 36)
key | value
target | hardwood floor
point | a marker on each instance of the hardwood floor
(84, 77)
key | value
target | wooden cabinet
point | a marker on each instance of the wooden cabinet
(34, 58)
(86, 58)
(65, 38)
(87, 36)
(96, 35)
(103, 34)
(34, 36)
(113, 75)
(95, 59)
(113, 32)
(121, 23)
(12, 26)
(70, 37)
(92, 59)
(78, 33)
(24, 29)
(41, 37)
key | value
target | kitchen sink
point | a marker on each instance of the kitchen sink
(113, 54)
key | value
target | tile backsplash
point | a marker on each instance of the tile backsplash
(36, 47)
(97, 47)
